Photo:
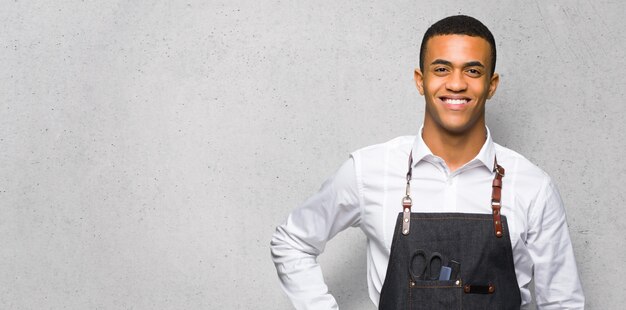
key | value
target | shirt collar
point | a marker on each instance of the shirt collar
(484, 157)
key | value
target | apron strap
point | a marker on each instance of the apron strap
(496, 195)
(406, 201)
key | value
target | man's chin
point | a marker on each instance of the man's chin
(459, 128)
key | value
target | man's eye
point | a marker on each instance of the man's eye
(473, 71)
(440, 69)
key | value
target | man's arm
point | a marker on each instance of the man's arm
(557, 285)
(297, 242)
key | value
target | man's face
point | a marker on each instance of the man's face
(456, 82)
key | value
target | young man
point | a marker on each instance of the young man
(453, 220)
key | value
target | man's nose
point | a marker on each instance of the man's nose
(456, 82)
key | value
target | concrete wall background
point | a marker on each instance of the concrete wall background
(149, 148)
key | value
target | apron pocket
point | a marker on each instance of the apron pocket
(435, 294)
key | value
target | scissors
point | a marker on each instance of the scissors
(423, 266)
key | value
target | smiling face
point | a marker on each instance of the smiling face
(456, 82)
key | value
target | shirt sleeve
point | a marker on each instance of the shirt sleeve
(557, 285)
(302, 237)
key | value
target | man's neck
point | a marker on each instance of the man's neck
(455, 149)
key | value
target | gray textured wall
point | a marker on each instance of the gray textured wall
(149, 148)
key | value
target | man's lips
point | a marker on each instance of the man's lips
(454, 100)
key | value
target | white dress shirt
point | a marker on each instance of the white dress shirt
(367, 190)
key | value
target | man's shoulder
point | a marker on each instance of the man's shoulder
(522, 168)
(380, 159)
(398, 145)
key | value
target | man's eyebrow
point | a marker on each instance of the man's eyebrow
(474, 64)
(441, 62)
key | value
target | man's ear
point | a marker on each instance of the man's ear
(493, 84)
(419, 81)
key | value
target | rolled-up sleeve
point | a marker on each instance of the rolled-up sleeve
(302, 237)
(557, 285)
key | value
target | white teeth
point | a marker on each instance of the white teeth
(455, 101)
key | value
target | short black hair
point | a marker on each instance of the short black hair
(459, 24)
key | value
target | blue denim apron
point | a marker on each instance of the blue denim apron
(477, 245)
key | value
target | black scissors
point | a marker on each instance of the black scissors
(424, 266)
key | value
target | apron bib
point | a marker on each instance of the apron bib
(474, 248)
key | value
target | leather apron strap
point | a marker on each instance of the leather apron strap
(496, 193)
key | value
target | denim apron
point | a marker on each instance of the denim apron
(477, 247)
